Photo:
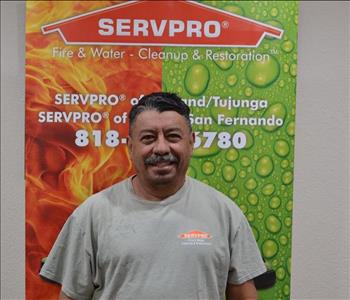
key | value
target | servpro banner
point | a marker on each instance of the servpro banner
(234, 63)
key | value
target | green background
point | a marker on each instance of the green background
(259, 177)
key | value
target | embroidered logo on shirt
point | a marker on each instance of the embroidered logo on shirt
(195, 237)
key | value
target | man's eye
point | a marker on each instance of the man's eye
(174, 137)
(147, 138)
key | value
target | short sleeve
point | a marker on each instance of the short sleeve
(70, 261)
(246, 262)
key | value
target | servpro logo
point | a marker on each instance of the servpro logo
(195, 234)
(162, 23)
(150, 28)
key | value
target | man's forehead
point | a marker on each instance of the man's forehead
(156, 118)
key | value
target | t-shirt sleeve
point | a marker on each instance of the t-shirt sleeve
(70, 261)
(246, 262)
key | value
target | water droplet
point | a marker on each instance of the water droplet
(283, 240)
(287, 46)
(242, 174)
(223, 64)
(250, 217)
(281, 83)
(231, 154)
(293, 70)
(284, 163)
(231, 79)
(269, 248)
(248, 91)
(206, 181)
(287, 177)
(281, 148)
(228, 173)
(291, 128)
(286, 289)
(263, 73)
(245, 161)
(276, 111)
(208, 168)
(268, 189)
(288, 221)
(233, 193)
(289, 205)
(280, 273)
(275, 263)
(264, 166)
(243, 208)
(274, 12)
(275, 202)
(253, 199)
(273, 224)
(197, 79)
(250, 184)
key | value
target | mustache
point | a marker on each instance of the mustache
(155, 159)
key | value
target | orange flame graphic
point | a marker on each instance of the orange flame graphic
(59, 174)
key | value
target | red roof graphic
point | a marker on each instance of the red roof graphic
(162, 23)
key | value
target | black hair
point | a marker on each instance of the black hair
(160, 102)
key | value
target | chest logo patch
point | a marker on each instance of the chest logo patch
(195, 237)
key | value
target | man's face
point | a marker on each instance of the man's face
(160, 146)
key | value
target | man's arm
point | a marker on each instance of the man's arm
(244, 291)
(63, 296)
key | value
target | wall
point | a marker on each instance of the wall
(320, 251)
(320, 259)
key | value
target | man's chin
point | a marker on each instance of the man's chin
(161, 177)
(161, 170)
(162, 181)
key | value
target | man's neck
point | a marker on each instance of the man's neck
(154, 193)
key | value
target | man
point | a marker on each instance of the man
(159, 234)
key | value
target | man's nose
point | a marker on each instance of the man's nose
(161, 146)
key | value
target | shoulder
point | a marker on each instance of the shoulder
(100, 202)
(216, 199)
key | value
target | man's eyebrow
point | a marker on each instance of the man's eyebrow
(169, 129)
(144, 131)
(173, 129)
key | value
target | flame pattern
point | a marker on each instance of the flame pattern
(60, 175)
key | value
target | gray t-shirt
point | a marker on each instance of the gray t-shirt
(187, 246)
